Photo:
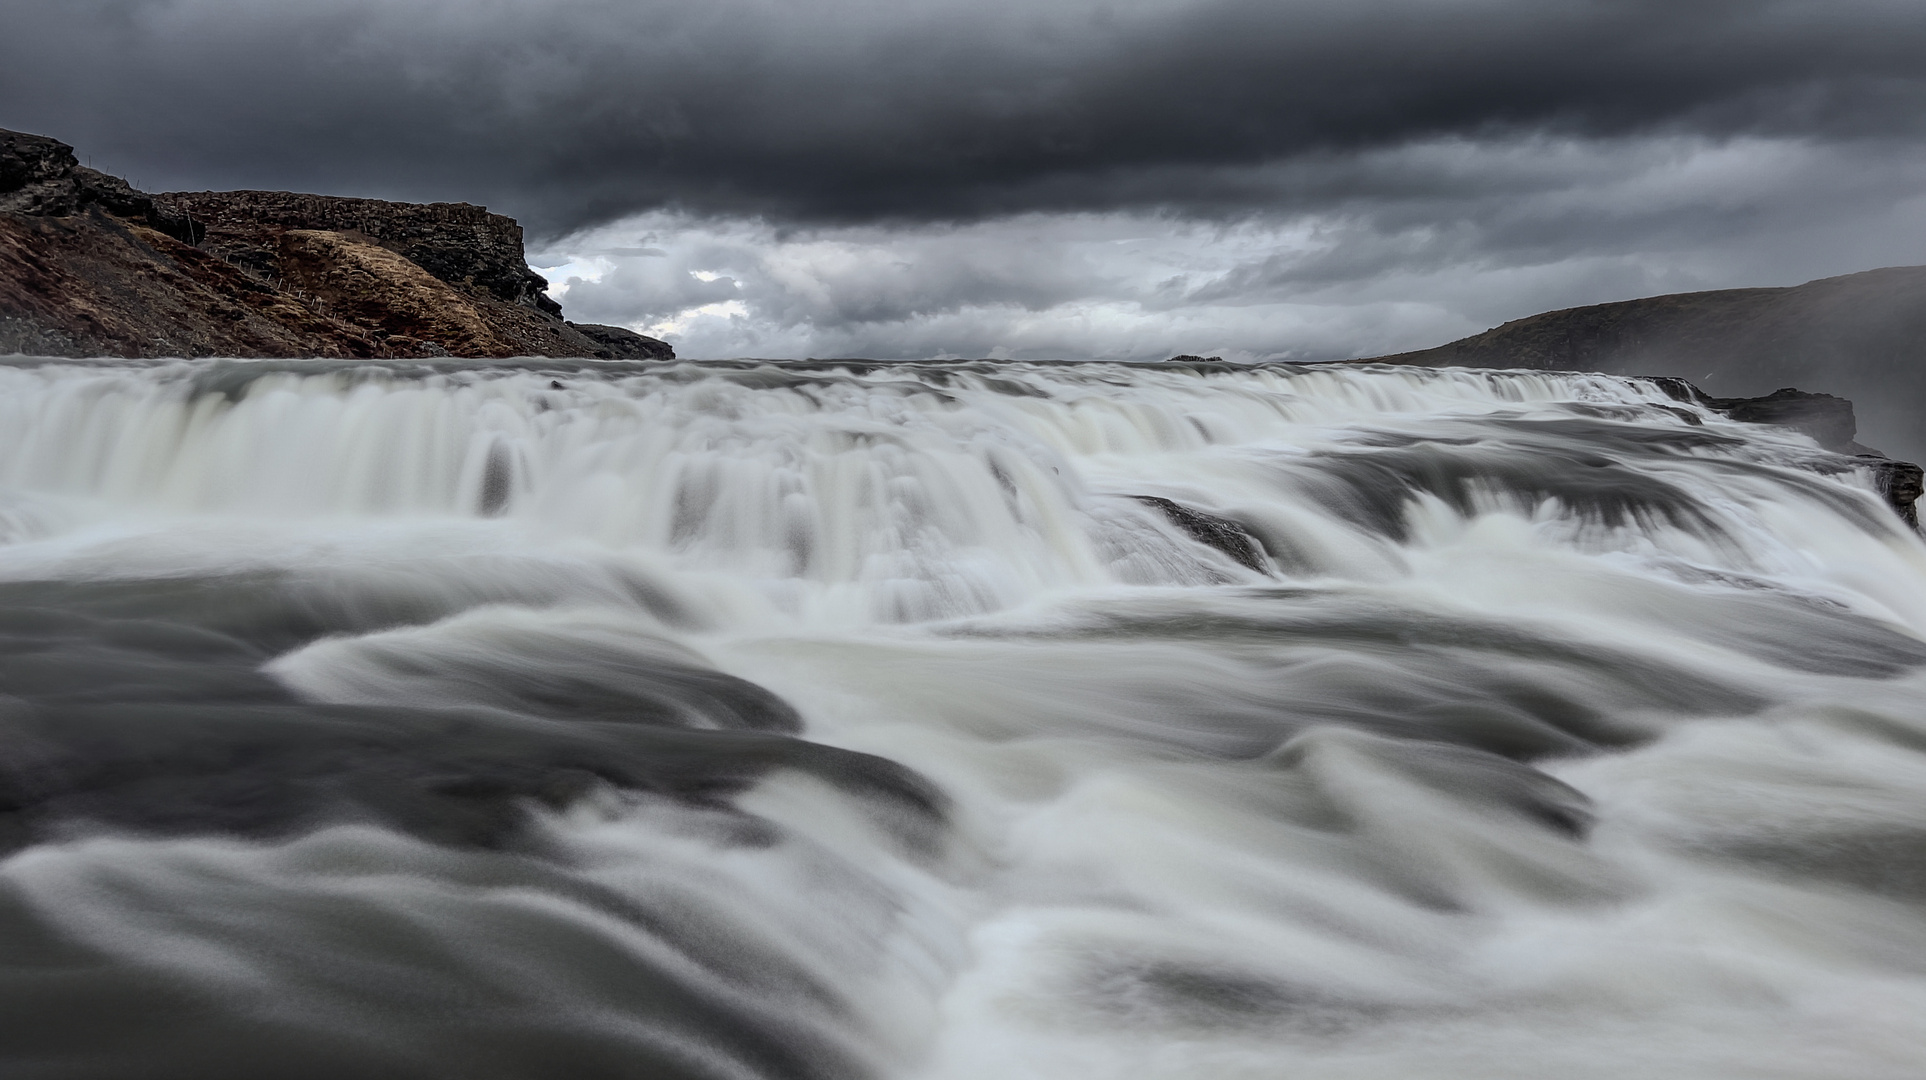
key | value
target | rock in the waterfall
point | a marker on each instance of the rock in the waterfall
(1210, 530)
(1901, 482)
(1827, 418)
(1831, 423)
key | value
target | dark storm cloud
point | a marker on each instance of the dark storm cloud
(1504, 229)
(576, 111)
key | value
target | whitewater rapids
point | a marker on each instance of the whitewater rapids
(946, 722)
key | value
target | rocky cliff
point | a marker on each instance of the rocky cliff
(91, 267)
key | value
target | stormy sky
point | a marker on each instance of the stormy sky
(1291, 178)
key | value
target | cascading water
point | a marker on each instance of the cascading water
(946, 721)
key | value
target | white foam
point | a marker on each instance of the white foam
(1183, 841)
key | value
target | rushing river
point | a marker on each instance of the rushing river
(946, 722)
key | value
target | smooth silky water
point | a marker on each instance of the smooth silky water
(840, 720)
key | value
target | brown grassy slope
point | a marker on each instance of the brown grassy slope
(96, 285)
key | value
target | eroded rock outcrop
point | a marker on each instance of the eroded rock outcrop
(91, 267)
(457, 243)
(1901, 482)
(1830, 421)
(41, 177)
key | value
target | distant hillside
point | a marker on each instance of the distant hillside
(1862, 336)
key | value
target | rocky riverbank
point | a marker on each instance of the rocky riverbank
(89, 266)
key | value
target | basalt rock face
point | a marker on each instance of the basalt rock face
(457, 243)
(91, 267)
(1830, 420)
(40, 177)
(1901, 482)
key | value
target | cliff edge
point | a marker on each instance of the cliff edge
(89, 266)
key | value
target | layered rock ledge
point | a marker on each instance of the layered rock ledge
(1830, 422)
(89, 266)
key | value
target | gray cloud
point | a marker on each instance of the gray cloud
(1305, 178)
(576, 111)
(1506, 229)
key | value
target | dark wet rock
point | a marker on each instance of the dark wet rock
(1495, 785)
(143, 707)
(1901, 484)
(1825, 417)
(1573, 462)
(1210, 530)
(1830, 421)
(618, 343)
(91, 267)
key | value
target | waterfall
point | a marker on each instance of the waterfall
(943, 721)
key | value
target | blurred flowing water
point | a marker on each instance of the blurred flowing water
(946, 721)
